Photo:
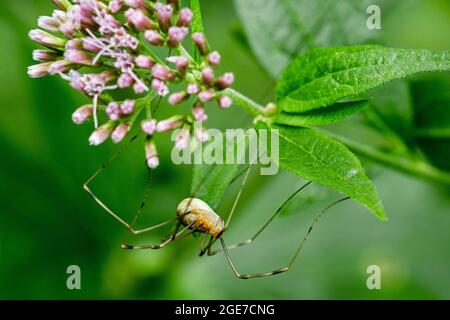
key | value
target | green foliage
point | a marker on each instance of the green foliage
(431, 98)
(197, 24)
(324, 76)
(319, 117)
(281, 29)
(209, 181)
(315, 156)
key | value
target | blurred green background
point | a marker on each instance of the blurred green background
(48, 222)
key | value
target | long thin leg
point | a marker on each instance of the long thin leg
(173, 238)
(279, 210)
(295, 256)
(128, 226)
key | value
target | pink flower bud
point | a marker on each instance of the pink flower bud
(115, 6)
(151, 154)
(113, 111)
(201, 43)
(199, 113)
(137, 4)
(68, 29)
(182, 139)
(185, 17)
(139, 20)
(193, 88)
(46, 39)
(177, 98)
(160, 87)
(206, 95)
(60, 66)
(74, 44)
(177, 35)
(162, 73)
(201, 135)
(208, 76)
(169, 124)
(82, 114)
(225, 102)
(149, 126)
(139, 88)
(78, 57)
(101, 134)
(214, 59)
(154, 37)
(164, 15)
(39, 70)
(90, 45)
(144, 62)
(120, 132)
(45, 55)
(225, 81)
(48, 23)
(125, 81)
(181, 62)
(128, 106)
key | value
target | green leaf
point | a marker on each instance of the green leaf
(325, 76)
(209, 181)
(197, 24)
(315, 156)
(431, 101)
(335, 113)
(279, 30)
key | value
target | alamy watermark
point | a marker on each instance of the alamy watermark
(374, 280)
(234, 146)
(374, 20)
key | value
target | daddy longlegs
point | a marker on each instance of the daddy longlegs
(196, 216)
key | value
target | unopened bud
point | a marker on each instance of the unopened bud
(82, 114)
(182, 139)
(208, 76)
(127, 107)
(162, 73)
(164, 15)
(62, 4)
(115, 6)
(177, 98)
(113, 111)
(45, 55)
(101, 134)
(160, 87)
(206, 95)
(48, 23)
(199, 113)
(169, 124)
(154, 37)
(181, 62)
(144, 62)
(46, 39)
(151, 154)
(125, 81)
(201, 43)
(214, 59)
(78, 57)
(185, 17)
(225, 81)
(120, 132)
(149, 126)
(193, 88)
(225, 102)
(176, 35)
(60, 66)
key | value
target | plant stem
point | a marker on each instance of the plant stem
(245, 102)
(413, 167)
(417, 168)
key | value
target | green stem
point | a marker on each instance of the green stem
(248, 104)
(416, 168)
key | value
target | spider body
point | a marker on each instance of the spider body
(198, 215)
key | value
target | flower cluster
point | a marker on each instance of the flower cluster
(100, 46)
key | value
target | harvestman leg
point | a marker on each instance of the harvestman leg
(128, 226)
(212, 240)
(294, 257)
(175, 236)
(279, 210)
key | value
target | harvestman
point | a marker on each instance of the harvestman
(197, 216)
